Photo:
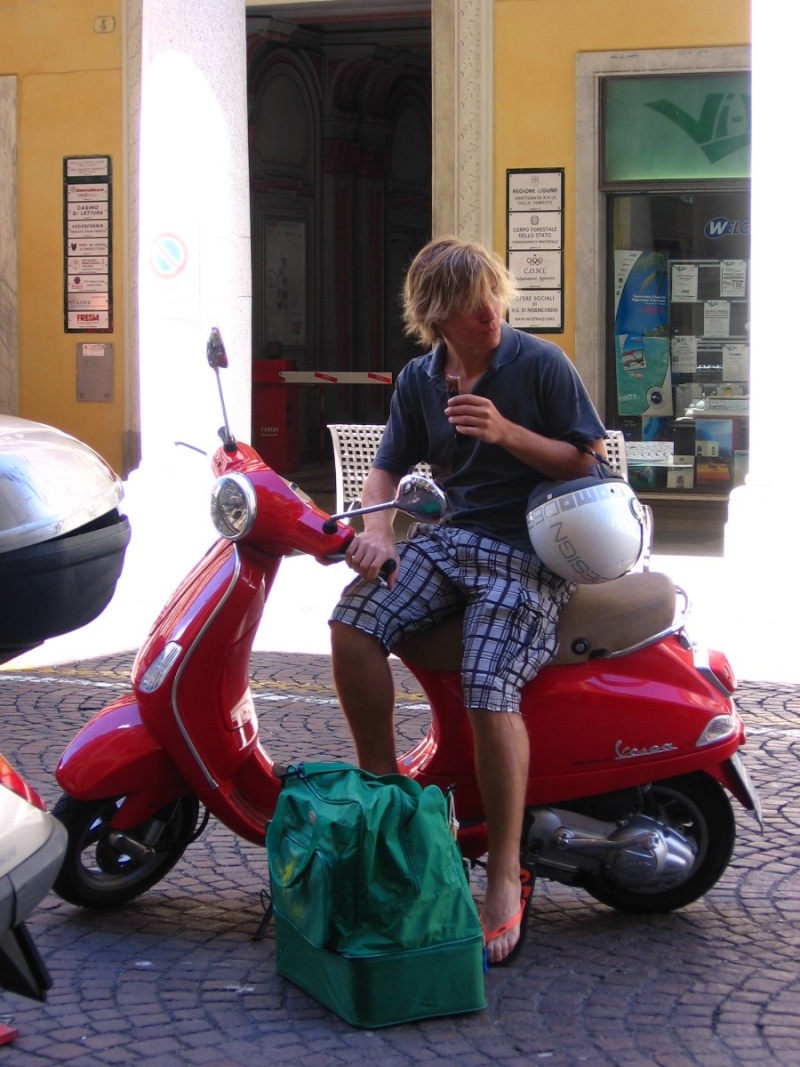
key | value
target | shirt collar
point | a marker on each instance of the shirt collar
(506, 352)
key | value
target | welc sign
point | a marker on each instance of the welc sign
(721, 226)
(677, 127)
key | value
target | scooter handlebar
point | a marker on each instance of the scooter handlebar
(388, 567)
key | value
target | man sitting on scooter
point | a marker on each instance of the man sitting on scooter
(494, 412)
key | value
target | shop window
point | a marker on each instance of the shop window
(675, 170)
(679, 367)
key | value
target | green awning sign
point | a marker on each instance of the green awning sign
(677, 127)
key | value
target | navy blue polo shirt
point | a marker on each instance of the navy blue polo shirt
(532, 383)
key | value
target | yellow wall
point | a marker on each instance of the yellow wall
(536, 42)
(69, 98)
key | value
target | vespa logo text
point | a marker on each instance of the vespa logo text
(631, 752)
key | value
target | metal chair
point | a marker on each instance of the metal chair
(615, 449)
(354, 448)
(618, 458)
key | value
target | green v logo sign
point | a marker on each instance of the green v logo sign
(723, 127)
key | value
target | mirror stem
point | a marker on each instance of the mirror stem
(355, 512)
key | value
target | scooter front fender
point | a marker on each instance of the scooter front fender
(115, 754)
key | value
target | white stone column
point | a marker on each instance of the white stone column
(463, 101)
(190, 232)
(761, 537)
(194, 219)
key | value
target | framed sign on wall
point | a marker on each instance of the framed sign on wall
(535, 248)
(87, 245)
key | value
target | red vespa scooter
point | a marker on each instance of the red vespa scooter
(635, 735)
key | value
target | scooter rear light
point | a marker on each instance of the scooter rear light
(719, 729)
(16, 783)
(158, 670)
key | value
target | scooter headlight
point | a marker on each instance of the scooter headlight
(233, 506)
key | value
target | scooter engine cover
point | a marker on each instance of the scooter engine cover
(664, 858)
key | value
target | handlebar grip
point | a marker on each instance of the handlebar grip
(388, 567)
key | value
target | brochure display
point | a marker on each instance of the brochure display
(681, 351)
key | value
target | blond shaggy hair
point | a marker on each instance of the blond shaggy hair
(449, 276)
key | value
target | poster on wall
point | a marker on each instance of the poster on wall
(284, 295)
(534, 248)
(641, 333)
(87, 245)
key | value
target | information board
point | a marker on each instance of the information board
(87, 245)
(535, 248)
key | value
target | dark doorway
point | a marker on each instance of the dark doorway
(339, 100)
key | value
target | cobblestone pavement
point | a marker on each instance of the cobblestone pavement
(177, 978)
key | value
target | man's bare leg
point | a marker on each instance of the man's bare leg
(365, 687)
(501, 759)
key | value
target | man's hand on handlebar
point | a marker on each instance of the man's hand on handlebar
(373, 555)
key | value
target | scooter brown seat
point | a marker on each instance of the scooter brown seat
(597, 620)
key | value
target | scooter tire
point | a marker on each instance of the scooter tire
(95, 874)
(698, 806)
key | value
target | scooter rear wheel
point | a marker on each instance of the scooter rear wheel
(698, 807)
(98, 871)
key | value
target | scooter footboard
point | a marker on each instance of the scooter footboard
(116, 755)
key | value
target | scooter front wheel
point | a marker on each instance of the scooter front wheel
(697, 807)
(102, 867)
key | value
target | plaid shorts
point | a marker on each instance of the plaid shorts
(510, 603)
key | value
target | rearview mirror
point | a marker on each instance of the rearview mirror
(416, 496)
(420, 498)
(215, 350)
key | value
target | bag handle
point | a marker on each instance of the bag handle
(305, 771)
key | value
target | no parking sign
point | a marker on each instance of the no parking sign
(168, 255)
(174, 269)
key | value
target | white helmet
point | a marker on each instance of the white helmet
(587, 531)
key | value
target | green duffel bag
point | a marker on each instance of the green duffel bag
(373, 911)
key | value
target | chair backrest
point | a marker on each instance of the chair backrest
(354, 448)
(617, 456)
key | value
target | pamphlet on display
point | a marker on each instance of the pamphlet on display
(733, 278)
(684, 282)
(644, 378)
